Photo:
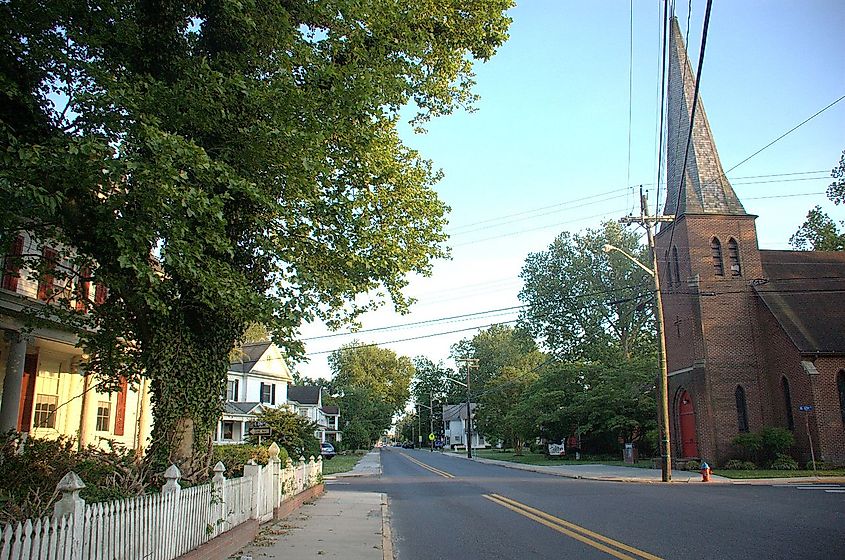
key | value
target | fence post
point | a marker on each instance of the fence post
(172, 492)
(311, 468)
(319, 467)
(73, 505)
(252, 470)
(289, 478)
(300, 469)
(219, 511)
(275, 472)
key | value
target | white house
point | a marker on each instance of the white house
(308, 402)
(45, 392)
(256, 381)
(455, 429)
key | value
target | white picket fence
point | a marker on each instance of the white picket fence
(157, 526)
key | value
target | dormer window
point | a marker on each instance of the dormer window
(232, 390)
(716, 252)
(733, 257)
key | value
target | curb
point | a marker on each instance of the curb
(386, 535)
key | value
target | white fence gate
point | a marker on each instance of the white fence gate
(157, 526)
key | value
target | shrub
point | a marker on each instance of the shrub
(290, 431)
(784, 462)
(234, 457)
(820, 465)
(739, 465)
(775, 442)
(30, 469)
(749, 445)
(692, 466)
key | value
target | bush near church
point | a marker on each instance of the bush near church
(767, 447)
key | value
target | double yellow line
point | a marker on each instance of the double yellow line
(444, 474)
(595, 540)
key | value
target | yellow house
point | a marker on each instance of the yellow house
(44, 389)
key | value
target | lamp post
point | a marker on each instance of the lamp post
(430, 408)
(666, 457)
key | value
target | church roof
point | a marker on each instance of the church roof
(706, 189)
(805, 292)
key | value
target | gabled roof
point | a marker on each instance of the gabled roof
(306, 394)
(457, 411)
(805, 292)
(330, 410)
(242, 408)
(706, 189)
(252, 352)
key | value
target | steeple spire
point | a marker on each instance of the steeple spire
(706, 188)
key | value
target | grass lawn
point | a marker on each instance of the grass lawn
(341, 463)
(777, 474)
(530, 458)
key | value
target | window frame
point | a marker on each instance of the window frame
(717, 256)
(103, 417)
(733, 257)
(787, 401)
(741, 409)
(44, 413)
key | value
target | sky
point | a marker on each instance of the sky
(548, 148)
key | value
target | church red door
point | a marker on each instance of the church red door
(686, 419)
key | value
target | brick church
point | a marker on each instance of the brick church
(754, 337)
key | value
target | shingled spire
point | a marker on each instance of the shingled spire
(706, 188)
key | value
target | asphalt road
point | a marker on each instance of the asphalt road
(444, 507)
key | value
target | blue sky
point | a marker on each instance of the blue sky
(551, 129)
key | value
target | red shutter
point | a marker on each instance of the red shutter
(12, 266)
(120, 413)
(45, 283)
(83, 289)
(30, 370)
(100, 294)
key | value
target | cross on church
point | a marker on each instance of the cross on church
(678, 324)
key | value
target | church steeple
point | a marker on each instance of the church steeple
(706, 188)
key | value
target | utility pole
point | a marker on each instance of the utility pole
(471, 363)
(648, 222)
(419, 428)
(431, 419)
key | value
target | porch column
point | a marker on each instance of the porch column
(10, 406)
(84, 413)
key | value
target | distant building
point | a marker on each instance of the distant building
(258, 380)
(455, 427)
(754, 338)
(307, 400)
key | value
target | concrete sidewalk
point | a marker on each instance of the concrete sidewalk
(338, 524)
(633, 474)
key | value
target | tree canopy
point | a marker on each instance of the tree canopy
(583, 304)
(820, 232)
(220, 163)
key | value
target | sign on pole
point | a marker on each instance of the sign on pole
(806, 408)
(260, 431)
(430, 437)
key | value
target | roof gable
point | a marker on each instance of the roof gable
(262, 358)
(304, 394)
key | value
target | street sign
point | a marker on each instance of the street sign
(557, 449)
(805, 408)
(430, 437)
(259, 424)
(260, 431)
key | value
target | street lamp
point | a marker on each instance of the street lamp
(666, 458)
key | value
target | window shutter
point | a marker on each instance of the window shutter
(100, 293)
(120, 413)
(273, 394)
(83, 289)
(12, 265)
(235, 391)
(45, 283)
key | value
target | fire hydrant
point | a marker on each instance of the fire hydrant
(705, 472)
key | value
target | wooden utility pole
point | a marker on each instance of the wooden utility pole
(471, 363)
(648, 222)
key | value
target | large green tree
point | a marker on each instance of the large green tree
(820, 232)
(222, 162)
(584, 304)
(508, 361)
(431, 388)
(370, 384)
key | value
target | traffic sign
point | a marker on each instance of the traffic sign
(259, 424)
(431, 437)
(805, 408)
(260, 431)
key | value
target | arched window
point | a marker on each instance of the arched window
(787, 401)
(676, 265)
(733, 257)
(840, 385)
(716, 251)
(671, 279)
(741, 409)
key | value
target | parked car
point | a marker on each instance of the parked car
(327, 450)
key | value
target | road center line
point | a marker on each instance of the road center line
(571, 530)
(444, 474)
